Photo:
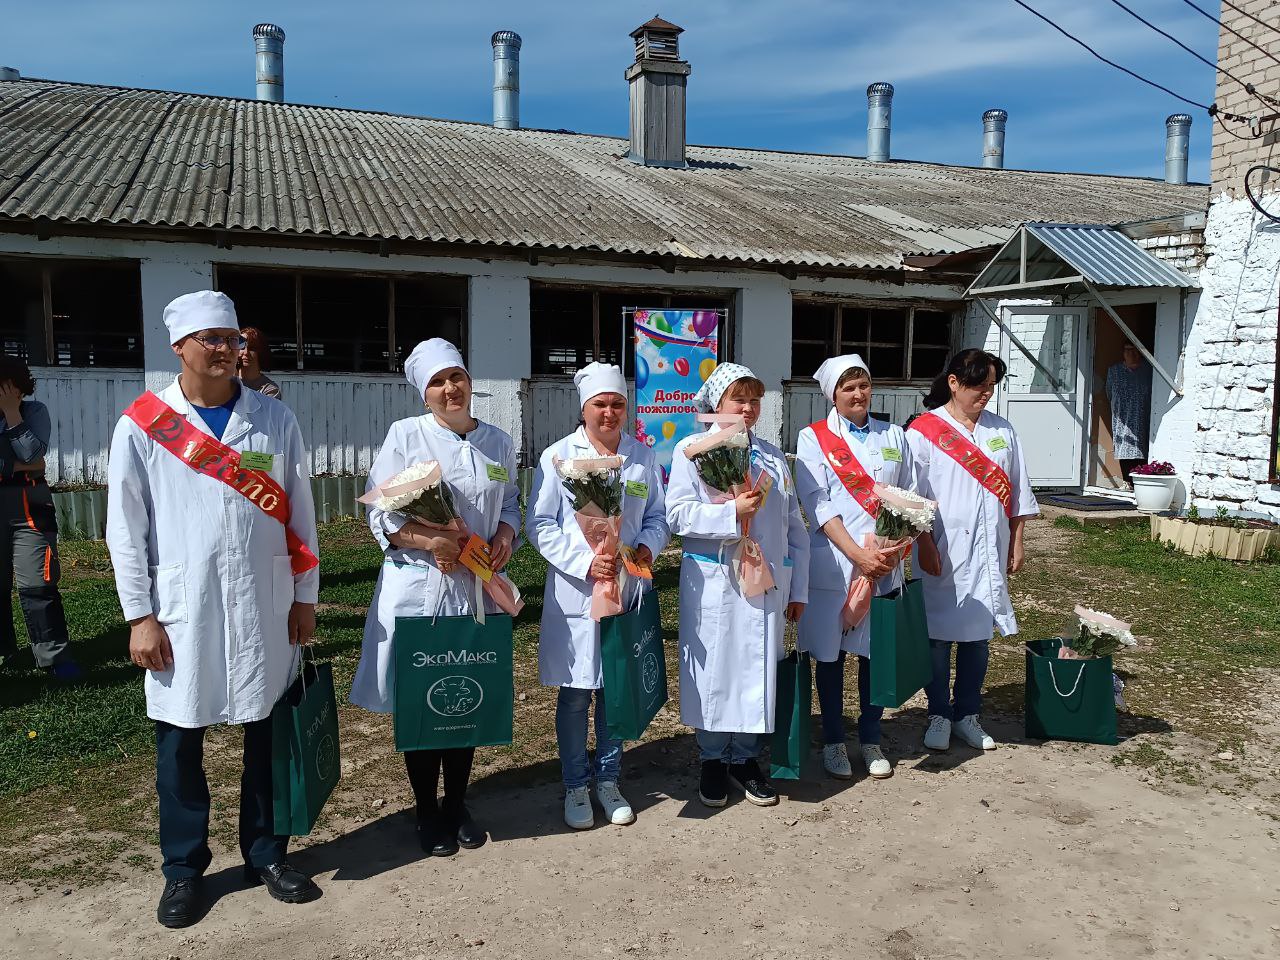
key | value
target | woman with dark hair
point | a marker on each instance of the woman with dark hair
(255, 357)
(28, 526)
(970, 461)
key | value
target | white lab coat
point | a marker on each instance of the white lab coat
(971, 598)
(730, 645)
(210, 565)
(824, 497)
(409, 583)
(569, 645)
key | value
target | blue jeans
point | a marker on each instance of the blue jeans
(729, 747)
(572, 707)
(971, 671)
(829, 679)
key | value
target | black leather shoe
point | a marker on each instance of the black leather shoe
(753, 783)
(713, 785)
(283, 881)
(444, 838)
(182, 902)
(470, 834)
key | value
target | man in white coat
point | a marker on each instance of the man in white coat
(212, 535)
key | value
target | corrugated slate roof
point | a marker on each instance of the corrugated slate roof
(1057, 251)
(107, 155)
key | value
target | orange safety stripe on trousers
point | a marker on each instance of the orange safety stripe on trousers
(26, 508)
(48, 559)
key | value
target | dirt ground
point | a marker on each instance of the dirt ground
(1166, 846)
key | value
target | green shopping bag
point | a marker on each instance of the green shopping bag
(901, 661)
(453, 685)
(305, 762)
(1068, 699)
(792, 719)
(635, 669)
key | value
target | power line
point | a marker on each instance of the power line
(1261, 23)
(1112, 63)
(1248, 87)
(1209, 16)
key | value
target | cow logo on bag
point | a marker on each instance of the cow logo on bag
(455, 696)
(326, 757)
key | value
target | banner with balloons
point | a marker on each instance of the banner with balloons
(675, 351)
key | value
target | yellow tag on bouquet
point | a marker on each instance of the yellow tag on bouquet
(635, 566)
(475, 557)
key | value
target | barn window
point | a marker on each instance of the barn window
(899, 343)
(71, 313)
(345, 322)
(572, 326)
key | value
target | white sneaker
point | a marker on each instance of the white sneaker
(971, 732)
(577, 808)
(876, 763)
(938, 736)
(616, 808)
(835, 759)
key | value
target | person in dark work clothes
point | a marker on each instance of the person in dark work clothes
(28, 527)
(1129, 390)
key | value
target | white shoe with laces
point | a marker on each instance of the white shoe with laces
(835, 760)
(615, 806)
(577, 808)
(876, 763)
(938, 736)
(971, 732)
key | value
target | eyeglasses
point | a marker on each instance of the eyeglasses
(217, 342)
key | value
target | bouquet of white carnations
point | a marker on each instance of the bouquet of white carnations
(1099, 635)
(902, 517)
(595, 487)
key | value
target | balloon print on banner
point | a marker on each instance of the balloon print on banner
(675, 351)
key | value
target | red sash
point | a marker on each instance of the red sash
(213, 458)
(840, 458)
(977, 464)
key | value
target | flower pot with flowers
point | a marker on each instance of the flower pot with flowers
(1154, 485)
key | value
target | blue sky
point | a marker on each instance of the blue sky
(786, 74)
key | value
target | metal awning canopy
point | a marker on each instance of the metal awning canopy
(1054, 258)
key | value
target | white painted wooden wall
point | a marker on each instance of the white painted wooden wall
(84, 406)
(803, 403)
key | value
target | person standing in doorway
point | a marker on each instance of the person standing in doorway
(212, 535)
(29, 527)
(255, 360)
(1129, 392)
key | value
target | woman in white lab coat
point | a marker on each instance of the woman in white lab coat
(569, 646)
(730, 644)
(977, 537)
(420, 575)
(839, 525)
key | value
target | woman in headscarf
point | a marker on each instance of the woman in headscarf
(970, 461)
(421, 576)
(569, 646)
(837, 461)
(731, 638)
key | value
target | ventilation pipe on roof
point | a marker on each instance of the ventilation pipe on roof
(506, 79)
(879, 119)
(657, 82)
(9, 73)
(993, 122)
(1177, 144)
(268, 40)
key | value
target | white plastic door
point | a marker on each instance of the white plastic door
(1044, 397)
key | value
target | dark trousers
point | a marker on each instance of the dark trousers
(829, 679)
(424, 768)
(29, 555)
(184, 800)
(971, 671)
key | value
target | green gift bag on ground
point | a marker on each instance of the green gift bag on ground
(453, 684)
(1068, 699)
(901, 661)
(634, 665)
(305, 762)
(792, 719)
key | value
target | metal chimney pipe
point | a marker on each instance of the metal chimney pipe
(9, 73)
(1177, 145)
(993, 122)
(268, 39)
(506, 79)
(879, 119)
